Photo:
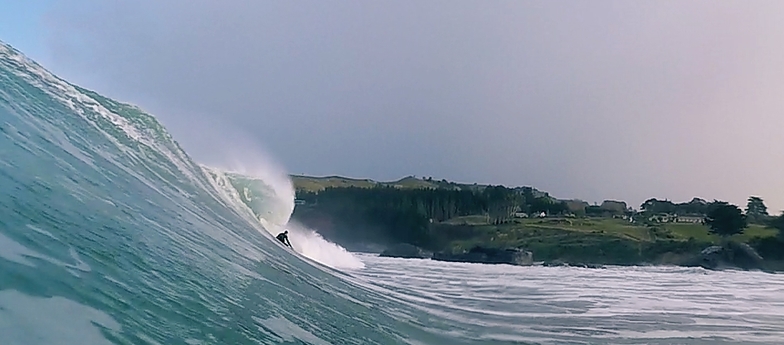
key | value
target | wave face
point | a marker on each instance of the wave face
(111, 234)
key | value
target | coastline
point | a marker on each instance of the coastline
(449, 221)
(732, 259)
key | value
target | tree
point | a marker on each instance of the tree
(594, 210)
(694, 207)
(502, 202)
(613, 207)
(654, 206)
(725, 219)
(778, 224)
(756, 209)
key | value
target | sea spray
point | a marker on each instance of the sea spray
(276, 190)
(265, 191)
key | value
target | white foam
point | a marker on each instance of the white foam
(312, 245)
(18, 253)
(566, 304)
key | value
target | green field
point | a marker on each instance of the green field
(599, 240)
(700, 232)
(522, 231)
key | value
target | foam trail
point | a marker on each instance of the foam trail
(310, 244)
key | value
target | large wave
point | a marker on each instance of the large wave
(111, 234)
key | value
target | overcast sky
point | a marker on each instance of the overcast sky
(594, 100)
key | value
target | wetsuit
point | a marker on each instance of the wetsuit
(283, 238)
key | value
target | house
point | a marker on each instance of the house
(662, 218)
(674, 218)
(690, 219)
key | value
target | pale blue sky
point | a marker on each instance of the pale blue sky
(584, 99)
(22, 26)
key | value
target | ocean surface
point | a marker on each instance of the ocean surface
(494, 304)
(111, 234)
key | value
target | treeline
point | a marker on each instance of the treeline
(725, 219)
(771, 247)
(696, 206)
(389, 214)
(756, 211)
(401, 215)
(406, 214)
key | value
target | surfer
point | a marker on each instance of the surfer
(283, 237)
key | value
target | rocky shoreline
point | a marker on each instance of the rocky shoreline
(477, 254)
(729, 255)
(510, 256)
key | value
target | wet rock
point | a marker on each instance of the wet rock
(555, 263)
(560, 263)
(729, 255)
(478, 254)
(405, 250)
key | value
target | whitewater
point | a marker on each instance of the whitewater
(111, 234)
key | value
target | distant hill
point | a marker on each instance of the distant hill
(315, 184)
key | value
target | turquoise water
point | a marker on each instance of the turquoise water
(111, 234)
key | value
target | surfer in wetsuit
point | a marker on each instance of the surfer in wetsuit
(283, 237)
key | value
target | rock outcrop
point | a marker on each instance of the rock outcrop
(405, 250)
(561, 263)
(511, 256)
(729, 255)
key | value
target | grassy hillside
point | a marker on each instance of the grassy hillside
(445, 216)
(607, 227)
(315, 184)
(598, 240)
